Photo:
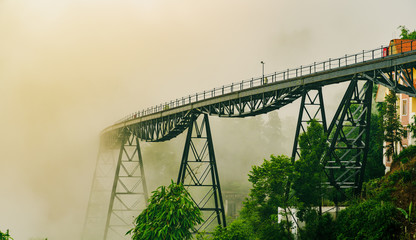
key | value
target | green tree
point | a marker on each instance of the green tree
(406, 34)
(393, 129)
(5, 236)
(375, 167)
(171, 214)
(307, 183)
(267, 195)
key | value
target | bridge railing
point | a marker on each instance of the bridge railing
(316, 67)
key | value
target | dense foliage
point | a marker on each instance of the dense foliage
(237, 230)
(317, 226)
(309, 170)
(268, 198)
(171, 214)
(368, 220)
(375, 167)
(393, 129)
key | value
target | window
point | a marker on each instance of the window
(405, 107)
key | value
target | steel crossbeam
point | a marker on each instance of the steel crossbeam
(398, 78)
(199, 174)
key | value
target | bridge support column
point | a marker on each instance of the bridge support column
(199, 174)
(348, 138)
(311, 107)
(129, 194)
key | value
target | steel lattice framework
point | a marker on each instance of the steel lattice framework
(129, 193)
(348, 138)
(119, 168)
(347, 134)
(311, 107)
(199, 174)
(94, 227)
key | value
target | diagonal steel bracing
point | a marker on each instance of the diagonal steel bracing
(199, 174)
(129, 192)
(95, 221)
(398, 78)
(348, 138)
(311, 107)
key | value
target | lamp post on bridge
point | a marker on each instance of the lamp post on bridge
(262, 79)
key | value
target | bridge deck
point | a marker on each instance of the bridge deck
(257, 96)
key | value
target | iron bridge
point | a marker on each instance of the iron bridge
(347, 133)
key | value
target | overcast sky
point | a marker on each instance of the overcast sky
(70, 68)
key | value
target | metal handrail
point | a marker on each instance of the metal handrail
(316, 67)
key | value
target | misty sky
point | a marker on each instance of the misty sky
(70, 68)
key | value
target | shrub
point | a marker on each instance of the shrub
(237, 230)
(317, 227)
(408, 152)
(368, 220)
(404, 176)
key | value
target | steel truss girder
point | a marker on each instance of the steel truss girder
(129, 195)
(199, 174)
(348, 138)
(398, 78)
(311, 107)
(252, 105)
(164, 128)
(167, 127)
(394, 72)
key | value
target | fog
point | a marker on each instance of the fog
(68, 69)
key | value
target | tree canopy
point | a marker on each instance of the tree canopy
(267, 197)
(375, 167)
(393, 129)
(307, 183)
(406, 33)
(171, 214)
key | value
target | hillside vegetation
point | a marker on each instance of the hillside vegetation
(398, 188)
